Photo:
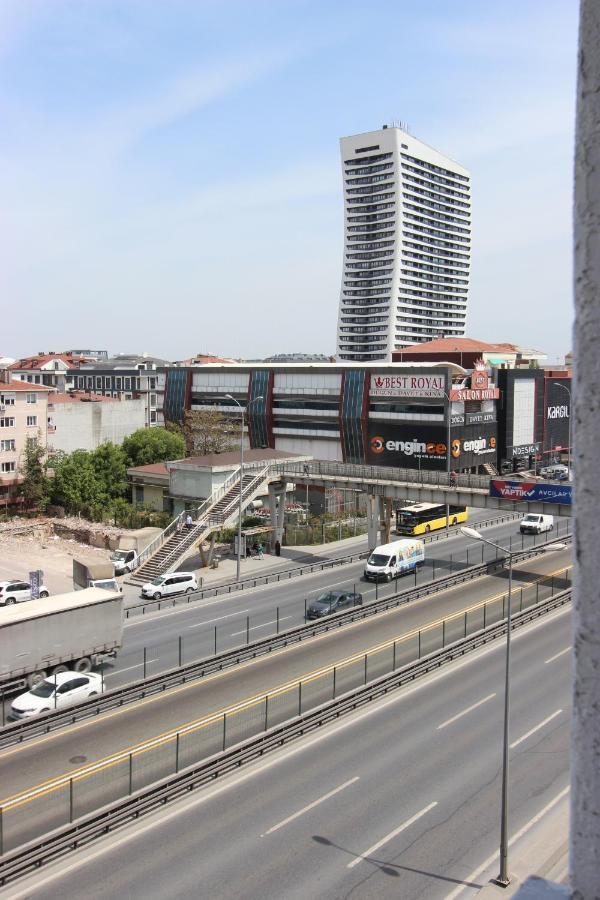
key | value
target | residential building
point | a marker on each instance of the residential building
(81, 421)
(407, 245)
(128, 376)
(394, 414)
(23, 417)
(467, 351)
(51, 369)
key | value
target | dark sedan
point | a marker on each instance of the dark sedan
(332, 602)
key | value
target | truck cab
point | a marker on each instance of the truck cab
(124, 561)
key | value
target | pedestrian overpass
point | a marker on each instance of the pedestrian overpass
(383, 485)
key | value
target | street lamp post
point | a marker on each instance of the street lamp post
(239, 541)
(568, 390)
(503, 878)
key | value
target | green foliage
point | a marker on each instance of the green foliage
(34, 488)
(86, 482)
(152, 445)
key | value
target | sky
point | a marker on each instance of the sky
(170, 176)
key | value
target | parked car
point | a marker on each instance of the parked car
(332, 602)
(18, 591)
(533, 523)
(55, 692)
(169, 584)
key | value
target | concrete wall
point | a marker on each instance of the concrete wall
(153, 496)
(84, 426)
(197, 484)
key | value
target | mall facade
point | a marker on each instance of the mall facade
(423, 416)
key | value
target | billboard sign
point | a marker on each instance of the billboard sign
(479, 418)
(464, 394)
(531, 490)
(557, 414)
(405, 445)
(473, 446)
(35, 580)
(525, 450)
(408, 384)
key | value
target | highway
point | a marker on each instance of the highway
(399, 799)
(68, 751)
(226, 621)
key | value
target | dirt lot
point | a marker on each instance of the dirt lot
(39, 548)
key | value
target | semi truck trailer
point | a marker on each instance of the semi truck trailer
(66, 631)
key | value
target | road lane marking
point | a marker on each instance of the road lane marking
(533, 730)
(218, 619)
(392, 835)
(556, 655)
(126, 669)
(465, 711)
(305, 809)
(285, 754)
(468, 881)
(262, 625)
(4, 754)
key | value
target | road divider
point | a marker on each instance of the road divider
(64, 839)
(188, 671)
(30, 813)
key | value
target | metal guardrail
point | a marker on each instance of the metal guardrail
(19, 862)
(19, 732)
(286, 574)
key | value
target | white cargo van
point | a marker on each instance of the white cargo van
(398, 558)
(535, 524)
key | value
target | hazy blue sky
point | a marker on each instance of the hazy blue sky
(170, 172)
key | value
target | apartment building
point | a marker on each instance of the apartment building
(407, 245)
(50, 369)
(127, 376)
(23, 417)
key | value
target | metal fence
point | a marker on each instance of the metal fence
(31, 814)
(233, 587)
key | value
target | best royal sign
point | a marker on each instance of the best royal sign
(408, 385)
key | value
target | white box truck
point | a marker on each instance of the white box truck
(393, 559)
(65, 631)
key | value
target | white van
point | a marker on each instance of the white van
(535, 524)
(389, 560)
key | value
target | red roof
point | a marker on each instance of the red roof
(17, 385)
(40, 359)
(459, 345)
(81, 396)
(151, 469)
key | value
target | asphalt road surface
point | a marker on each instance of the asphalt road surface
(400, 799)
(67, 751)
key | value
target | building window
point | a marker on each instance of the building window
(8, 466)
(119, 383)
(5, 400)
(152, 416)
(152, 399)
(7, 445)
(37, 379)
(127, 384)
(7, 422)
(108, 384)
(152, 383)
(98, 383)
(31, 398)
(31, 421)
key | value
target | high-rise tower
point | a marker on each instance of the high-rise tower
(407, 245)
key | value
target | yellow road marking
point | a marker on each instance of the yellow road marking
(55, 783)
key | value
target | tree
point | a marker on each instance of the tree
(209, 431)
(34, 488)
(75, 484)
(110, 466)
(152, 445)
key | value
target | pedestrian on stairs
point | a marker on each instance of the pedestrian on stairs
(189, 522)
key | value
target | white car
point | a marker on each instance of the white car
(169, 584)
(54, 692)
(18, 591)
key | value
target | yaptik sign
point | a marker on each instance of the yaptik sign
(408, 385)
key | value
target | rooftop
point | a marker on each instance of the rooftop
(81, 397)
(22, 386)
(213, 460)
(41, 359)
(151, 469)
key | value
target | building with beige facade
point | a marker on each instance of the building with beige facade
(23, 417)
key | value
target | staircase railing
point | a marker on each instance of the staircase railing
(250, 488)
(200, 514)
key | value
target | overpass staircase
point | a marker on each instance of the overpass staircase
(218, 511)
